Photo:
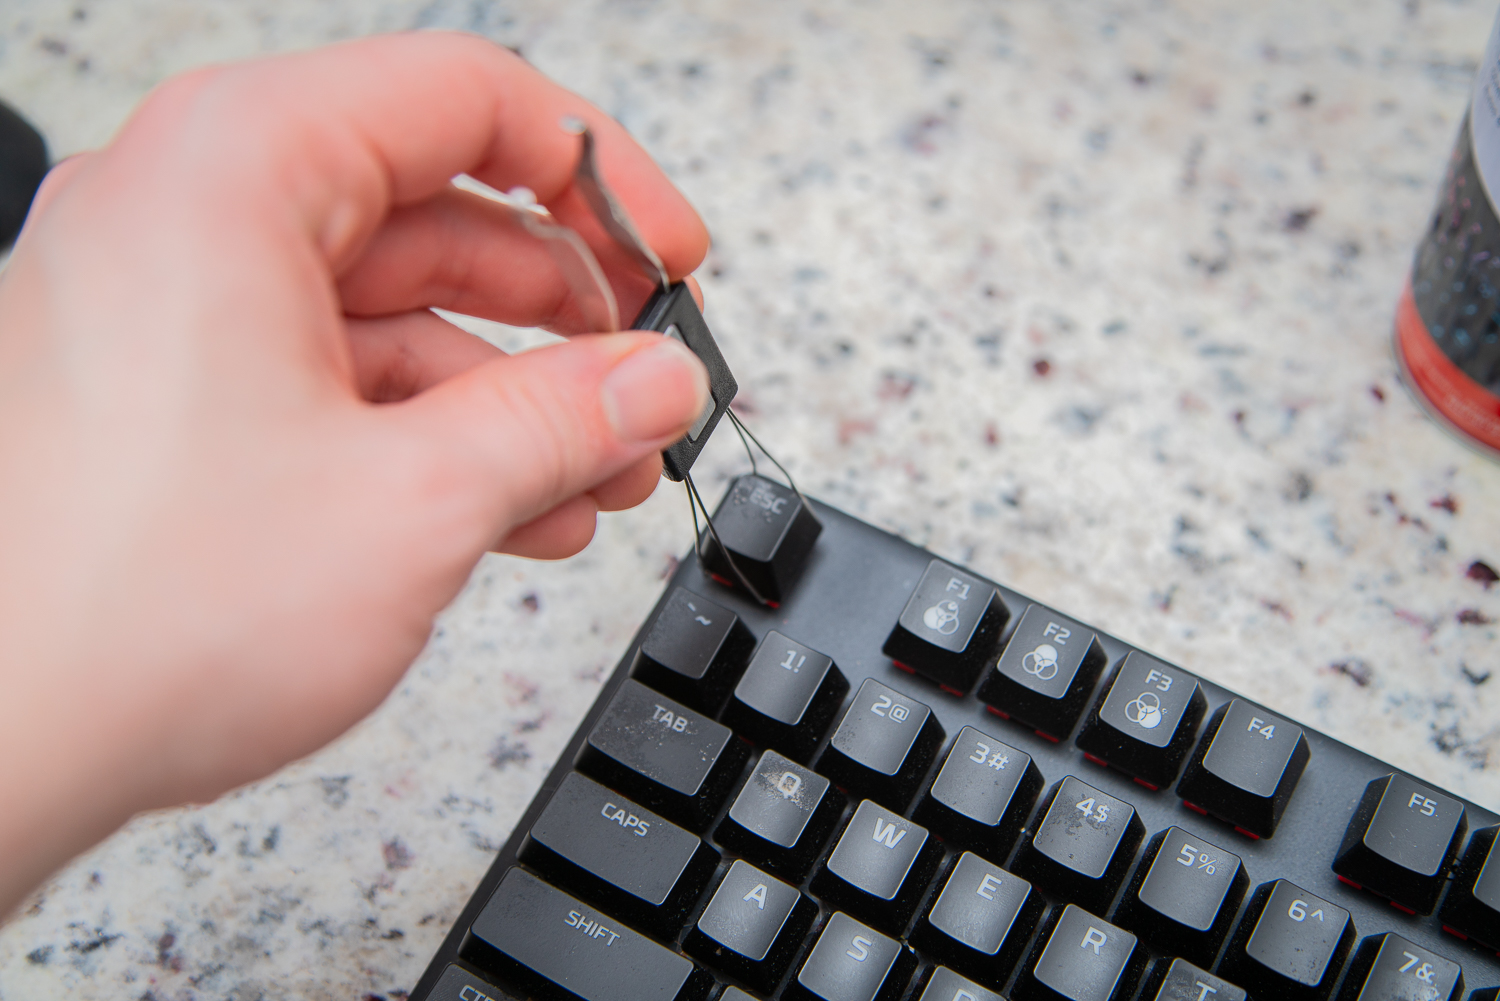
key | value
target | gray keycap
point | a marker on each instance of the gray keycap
(1085, 958)
(1390, 967)
(853, 962)
(748, 911)
(979, 904)
(877, 850)
(1182, 981)
(945, 985)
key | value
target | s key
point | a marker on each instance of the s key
(853, 962)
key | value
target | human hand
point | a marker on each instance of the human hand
(242, 464)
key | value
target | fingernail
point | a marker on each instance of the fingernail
(654, 391)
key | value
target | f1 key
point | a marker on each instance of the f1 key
(949, 627)
(1245, 768)
(1401, 841)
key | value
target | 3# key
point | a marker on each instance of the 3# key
(982, 795)
(980, 921)
(782, 817)
(1083, 844)
(1290, 944)
(619, 855)
(1245, 768)
(883, 746)
(1179, 980)
(949, 627)
(1184, 895)
(752, 928)
(1472, 907)
(1401, 842)
(555, 947)
(1389, 966)
(879, 868)
(1080, 957)
(694, 651)
(787, 697)
(663, 755)
(1145, 720)
(852, 962)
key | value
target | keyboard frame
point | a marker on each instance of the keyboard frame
(858, 573)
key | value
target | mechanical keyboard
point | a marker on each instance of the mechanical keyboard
(904, 781)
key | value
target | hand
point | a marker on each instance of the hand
(242, 464)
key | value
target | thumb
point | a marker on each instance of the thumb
(524, 433)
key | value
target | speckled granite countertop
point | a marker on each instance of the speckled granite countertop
(1095, 298)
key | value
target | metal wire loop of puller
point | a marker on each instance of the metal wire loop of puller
(695, 501)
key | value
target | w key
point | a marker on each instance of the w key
(880, 867)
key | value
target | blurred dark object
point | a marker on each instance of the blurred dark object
(23, 164)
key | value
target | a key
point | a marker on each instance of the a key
(1083, 844)
(1290, 944)
(1472, 907)
(949, 627)
(1080, 957)
(1184, 895)
(787, 696)
(945, 985)
(782, 817)
(883, 746)
(879, 868)
(1145, 720)
(980, 921)
(1390, 968)
(1179, 980)
(752, 927)
(694, 651)
(768, 530)
(1401, 842)
(663, 755)
(1245, 768)
(612, 852)
(982, 795)
(1045, 675)
(554, 947)
(852, 962)
(458, 984)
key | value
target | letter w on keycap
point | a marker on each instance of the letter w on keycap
(887, 834)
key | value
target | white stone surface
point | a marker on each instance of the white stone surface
(1094, 297)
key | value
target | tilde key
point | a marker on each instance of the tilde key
(694, 651)
(1401, 842)
(949, 627)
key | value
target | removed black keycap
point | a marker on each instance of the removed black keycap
(787, 697)
(752, 927)
(1179, 980)
(1144, 720)
(1083, 844)
(1080, 957)
(1401, 842)
(883, 746)
(1044, 677)
(1184, 895)
(768, 530)
(782, 817)
(23, 165)
(1290, 944)
(980, 920)
(1245, 767)
(694, 651)
(1390, 968)
(942, 984)
(1472, 907)
(982, 795)
(879, 868)
(458, 984)
(852, 962)
(949, 627)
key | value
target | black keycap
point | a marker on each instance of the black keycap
(663, 755)
(1472, 907)
(458, 984)
(879, 868)
(980, 921)
(883, 746)
(1045, 675)
(852, 962)
(945, 985)
(982, 795)
(1079, 957)
(769, 532)
(1245, 768)
(1083, 844)
(787, 696)
(1290, 944)
(1145, 720)
(694, 651)
(782, 817)
(752, 928)
(1401, 842)
(1493, 994)
(1179, 980)
(949, 627)
(1390, 968)
(733, 993)
(549, 944)
(637, 866)
(1184, 895)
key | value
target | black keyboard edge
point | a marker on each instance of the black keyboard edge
(1302, 849)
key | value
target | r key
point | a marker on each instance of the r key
(1079, 957)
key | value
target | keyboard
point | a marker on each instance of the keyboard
(901, 780)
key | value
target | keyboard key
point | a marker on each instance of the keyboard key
(1184, 895)
(980, 921)
(1145, 720)
(879, 868)
(1079, 957)
(694, 651)
(1246, 766)
(1472, 907)
(599, 845)
(787, 697)
(733, 993)
(782, 817)
(1179, 980)
(1390, 968)
(1290, 944)
(769, 532)
(752, 928)
(663, 755)
(458, 984)
(1083, 844)
(945, 985)
(553, 947)
(1045, 675)
(883, 746)
(949, 627)
(1401, 842)
(853, 962)
(982, 795)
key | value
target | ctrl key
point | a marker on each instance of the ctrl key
(556, 948)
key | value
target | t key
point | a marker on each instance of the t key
(1179, 980)
(1401, 842)
(1083, 844)
(983, 794)
(1079, 957)
(980, 921)
(1245, 768)
(1472, 907)
(853, 962)
(787, 697)
(1144, 722)
(949, 627)
(1045, 675)
(883, 746)
(694, 651)
(1290, 944)
(782, 817)
(1388, 966)
(663, 755)
(1184, 895)
(753, 926)
(880, 867)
